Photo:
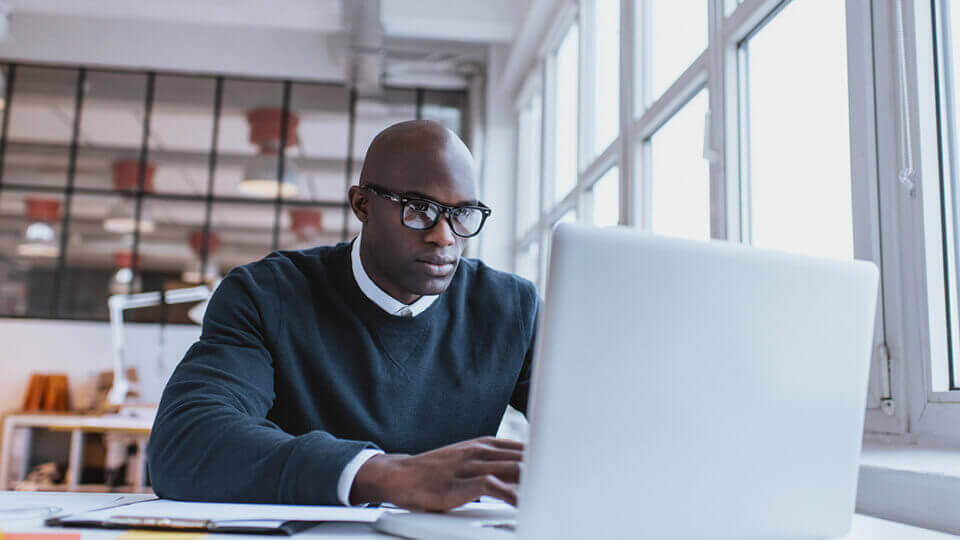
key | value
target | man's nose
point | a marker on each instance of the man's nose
(441, 234)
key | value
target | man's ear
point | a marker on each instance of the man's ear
(360, 203)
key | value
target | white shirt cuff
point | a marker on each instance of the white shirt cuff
(349, 473)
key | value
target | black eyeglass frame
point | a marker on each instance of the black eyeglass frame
(445, 210)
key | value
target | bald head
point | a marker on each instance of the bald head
(417, 160)
(420, 156)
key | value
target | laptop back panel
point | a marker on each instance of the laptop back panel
(688, 388)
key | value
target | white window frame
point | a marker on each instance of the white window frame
(933, 416)
(891, 225)
(533, 86)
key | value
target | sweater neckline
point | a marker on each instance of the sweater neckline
(343, 269)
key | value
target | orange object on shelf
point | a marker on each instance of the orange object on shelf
(47, 392)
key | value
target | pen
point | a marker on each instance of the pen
(176, 523)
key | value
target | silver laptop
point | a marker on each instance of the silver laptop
(687, 389)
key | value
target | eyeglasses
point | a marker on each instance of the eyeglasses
(422, 214)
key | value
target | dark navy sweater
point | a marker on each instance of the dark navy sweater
(296, 371)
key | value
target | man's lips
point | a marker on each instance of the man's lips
(438, 266)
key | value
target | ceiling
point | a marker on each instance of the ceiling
(310, 39)
(454, 20)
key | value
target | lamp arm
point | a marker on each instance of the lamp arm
(117, 304)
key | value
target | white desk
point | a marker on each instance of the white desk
(864, 527)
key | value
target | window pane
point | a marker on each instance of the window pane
(111, 130)
(528, 262)
(374, 114)
(93, 250)
(528, 165)
(41, 127)
(446, 107)
(249, 141)
(677, 35)
(319, 161)
(30, 236)
(564, 112)
(946, 376)
(245, 233)
(606, 199)
(799, 157)
(169, 258)
(303, 227)
(605, 75)
(181, 133)
(680, 197)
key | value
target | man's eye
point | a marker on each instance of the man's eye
(420, 206)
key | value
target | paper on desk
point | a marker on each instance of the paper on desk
(227, 512)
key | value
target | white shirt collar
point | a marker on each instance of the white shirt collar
(380, 297)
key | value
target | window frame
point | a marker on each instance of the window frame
(890, 227)
(533, 87)
(933, 414)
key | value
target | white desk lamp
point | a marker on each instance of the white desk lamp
(118, 303)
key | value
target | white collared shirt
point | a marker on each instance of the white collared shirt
(394, 307)
(380, 297)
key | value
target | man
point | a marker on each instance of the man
(374, 371)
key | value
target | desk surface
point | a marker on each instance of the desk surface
(864, 527)
(101, 422)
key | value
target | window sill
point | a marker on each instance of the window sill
(917, 485)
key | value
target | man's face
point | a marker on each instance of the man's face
(419, 262)
(409, 263)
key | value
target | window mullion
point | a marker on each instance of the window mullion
(628, 31)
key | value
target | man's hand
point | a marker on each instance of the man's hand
(444, 478)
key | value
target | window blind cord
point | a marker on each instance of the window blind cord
(906, 173)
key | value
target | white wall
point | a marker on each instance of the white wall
(81, 350)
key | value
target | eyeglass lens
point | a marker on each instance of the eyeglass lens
(423, 215)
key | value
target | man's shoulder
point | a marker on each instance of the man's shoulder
(283, 268)
(478, 277)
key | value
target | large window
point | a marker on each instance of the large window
(117, 181)
(796, 180)
(820, 127)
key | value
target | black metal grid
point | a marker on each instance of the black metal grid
(140, 195)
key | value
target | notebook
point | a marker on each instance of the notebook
(163, 514)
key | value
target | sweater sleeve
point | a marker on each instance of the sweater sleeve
(211, 440)
(530, 319)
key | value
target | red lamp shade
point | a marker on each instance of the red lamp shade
(305, 222)
(266, 126)
(126, 173)
(196, 242)
(40, 209)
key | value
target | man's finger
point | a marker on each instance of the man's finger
(508, 444)
(492, 486)
(507, 471)
(486, 452)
